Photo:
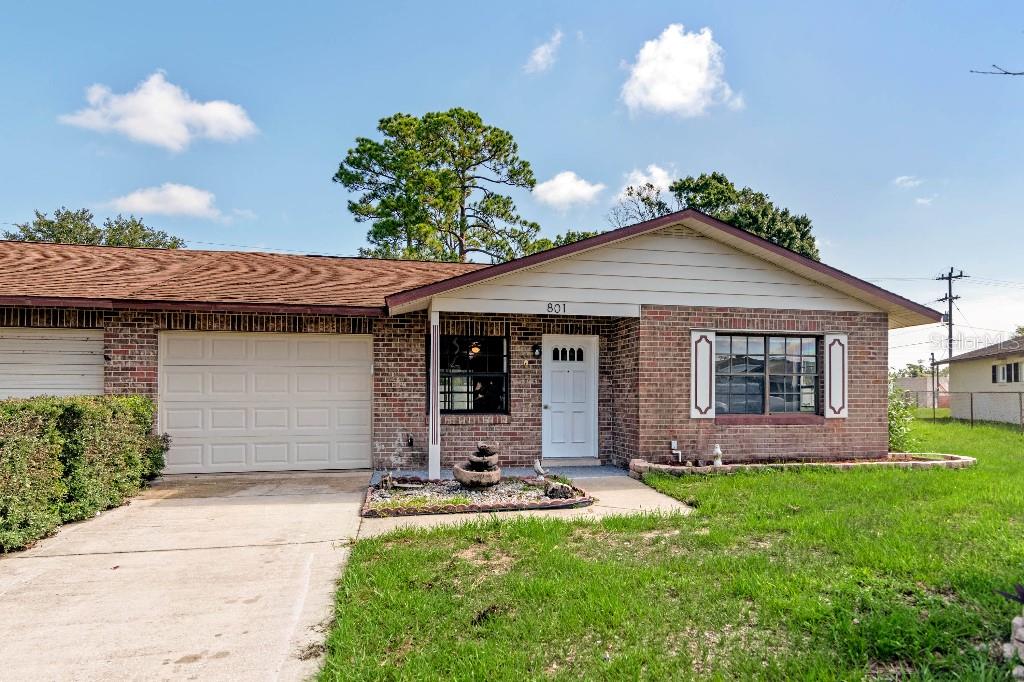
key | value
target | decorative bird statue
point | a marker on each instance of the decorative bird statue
(541, 471)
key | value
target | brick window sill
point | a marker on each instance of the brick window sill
(476, 419)
(769, 419)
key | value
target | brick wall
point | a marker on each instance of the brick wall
(130, 353)
(400, 389)
(643, 395)
(664, 381)
(624, 376)
(399, 392)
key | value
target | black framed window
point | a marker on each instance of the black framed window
(474, 374)
(767, 374)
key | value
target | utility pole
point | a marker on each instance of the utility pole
(948, 299)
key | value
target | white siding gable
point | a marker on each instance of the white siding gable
(673, 266)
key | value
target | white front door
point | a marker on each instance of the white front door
(569, 396)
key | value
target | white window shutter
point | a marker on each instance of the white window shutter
(702, 374)
(837, 391)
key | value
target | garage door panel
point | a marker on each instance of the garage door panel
(184, 419)
(317, 352)
(272, 350)
(313, 418)
(266, 384)
(270, 418)
(266, 402)
(308, 453)
(182, 348)
(182, 384)
(228, 419)
(226, 384)
(227, 453)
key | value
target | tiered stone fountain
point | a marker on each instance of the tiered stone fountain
(480, 470)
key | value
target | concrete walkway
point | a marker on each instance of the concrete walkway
(215, 578)
(615, 493)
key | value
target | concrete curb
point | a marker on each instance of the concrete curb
(639, 467)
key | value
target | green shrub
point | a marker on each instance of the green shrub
(65, 459)
(31, 487)
(901, 416)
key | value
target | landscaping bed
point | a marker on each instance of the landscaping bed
(639, 467)
(413, 495)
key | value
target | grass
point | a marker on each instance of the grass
(929, 413)
(810, 574)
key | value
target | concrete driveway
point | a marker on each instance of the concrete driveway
(212, 577)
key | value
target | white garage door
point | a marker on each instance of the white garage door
(265, 402)
(50, 362)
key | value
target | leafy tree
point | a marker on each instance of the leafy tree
(78, 227)
(639, 203)
(913, 369)
(432, 188)
(1019, 331)
(715, 195)
(569, 237)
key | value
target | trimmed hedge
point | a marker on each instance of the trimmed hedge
(65, 459)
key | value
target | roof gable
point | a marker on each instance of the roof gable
(770, 274)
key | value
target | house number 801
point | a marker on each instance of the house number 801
(556, 307)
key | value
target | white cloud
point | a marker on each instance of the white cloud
(907, 181)
(244, 213)
(169, 199)
(654, 174)
(160, 113)
(925, 201)
(566, 189)
(679, 73)
(543, 56)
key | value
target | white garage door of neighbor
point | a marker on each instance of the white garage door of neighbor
(50, 362)
(265, 402)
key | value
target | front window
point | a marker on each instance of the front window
(766, 374)
(474, 374)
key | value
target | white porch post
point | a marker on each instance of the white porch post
(434, 349)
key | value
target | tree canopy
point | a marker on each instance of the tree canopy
(433, 188)
(78, 227)
(715, 195)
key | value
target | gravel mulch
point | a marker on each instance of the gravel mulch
(421, 496)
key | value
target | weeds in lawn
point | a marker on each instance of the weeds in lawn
(811, 574)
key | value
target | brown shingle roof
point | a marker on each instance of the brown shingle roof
(38, 272)
(1014, 346)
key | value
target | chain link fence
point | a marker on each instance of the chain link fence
(970, 406)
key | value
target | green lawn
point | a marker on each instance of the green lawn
(884, 574)
(929, 413)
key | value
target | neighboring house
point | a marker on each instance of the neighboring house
(677, 329)
(986, 384)
(921, 392)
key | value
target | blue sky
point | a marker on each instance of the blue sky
(827, 105)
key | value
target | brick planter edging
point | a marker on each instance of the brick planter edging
(583, 500)
(639, 467)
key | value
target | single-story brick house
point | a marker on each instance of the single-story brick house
(677, 329)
